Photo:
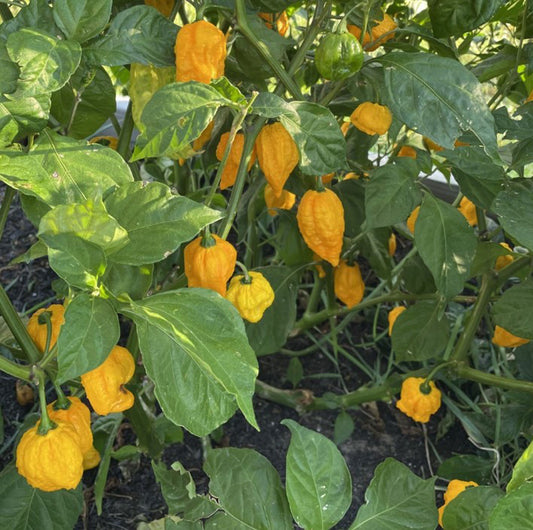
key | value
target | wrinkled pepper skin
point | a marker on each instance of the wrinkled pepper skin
(371, 118)
(468, 209)
(455, 487)
(285, 201)
(348, 283)
(251, 299)
(211, 266)
(200, 52)
(321, 222)
(277, 155)
(104, 385)
(163, 6)
(38, 332)
(369, 40)
(394, 313)
(414, 403)
(338, 56)
(79, 416)
(229, 174)
(50, 461)
(505, 339)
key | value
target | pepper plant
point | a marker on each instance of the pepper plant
(288, 147)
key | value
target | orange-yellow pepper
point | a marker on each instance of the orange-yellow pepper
(107, 141)
(232, 164)
(277, 155)
(50, 461)
(39, 331)
(503, 261)
(209, 263)
(281, 20)
(348, 283)
(372, 118)
(392, 244)
(394, 313)
(415, 403)
(104, 385)
(200, 52)
(468, 209)
(505, 339)
(370, 40)
(407, 151)
(321, 222)
(411, 220)
(251, 297)
(285, 201)
(163, 6)
(455, 487)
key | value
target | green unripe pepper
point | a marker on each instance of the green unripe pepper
(338, 56)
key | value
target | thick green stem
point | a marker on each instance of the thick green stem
(4, 209)
(466, 372)
(14, 323)
(16, 370)
(126, 131)
(46, 423)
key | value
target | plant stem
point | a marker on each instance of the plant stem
(9, 195)
(16, 370)
(126, 131)
(46, 423)
(466, 372)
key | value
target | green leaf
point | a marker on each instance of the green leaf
(467, 467)
(128, 280)
(92, 95)
(25, 508)
(195, 350)
(269, 105)
(523, 469)
(177, 485)
(513, 310)
(319, 485)
(487, 253)
(351, 192)
(61, 170)
(90, 331)
(420, 332)
(30, 114)
(271, 332)
(80, 20)
(10, 71)
(471, 508)
(175, 116)
(513, 207)
(248, 488)
(438, 98)
(455, 17)
(229, 91)
(295, 371)
(392, 193)
(89, 221)
(318, 136)
(446, 243)
(374, 246)
(344, 427)
(37, 14)
(46, 63)
(145, 209)
(138, 34)
(514, 510)
(397, 499)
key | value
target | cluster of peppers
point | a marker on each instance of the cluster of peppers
(54, 453)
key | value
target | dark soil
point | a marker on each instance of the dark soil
(133, 496)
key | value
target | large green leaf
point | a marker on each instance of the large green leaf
(195, 350)
(397, 499)
(467, 467)
(319, 485)
(523, 469)
(177, 485)
(90, 331)
(270, 333)
(514, 510)
(37, 14)
(138, 34)
(513, 206)
(174, 117)
(30, 114)
(446, 243)
(455, 17)
(438, 98)
(8, 81)
(25, 508)
(318, 136)
(93, 102)
(392, 193)
(248, 488)
(81, 20)
(419, 333)
(145, 210)
(61, 170)
(471, 508)
(127, 280)
(46, 62)
(513, 310)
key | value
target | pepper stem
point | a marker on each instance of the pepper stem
(208, 240)
(246, 279)
(62, 402)
(46, 424)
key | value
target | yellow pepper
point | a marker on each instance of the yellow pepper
(370, 41)
(415, 403)
(104, 385)
(232, 164)
(318, 266)
(107, 141)
(348, 283)
(407, 151)
(392, 244)
(200, 52)
(277, 155)
(285, 201)
(39, 332)
(431, 145)
(280, 19)
(252, 297)
(394, 313)
(50, 461)
(468, 209)
(321, 222)
(163, 6)
(505, 339)
(372, 118)
(455, 487)
(411, 220)
(79, 416)
(503, 261)
(209, 263)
